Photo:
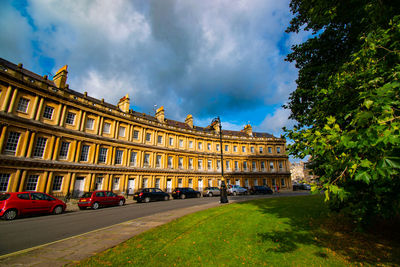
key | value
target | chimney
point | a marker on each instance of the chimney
(215, 125)
(248, 130)
(60, 78)
(160, 114)
(123, 104)
(189, 120)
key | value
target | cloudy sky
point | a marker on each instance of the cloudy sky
(207, 58)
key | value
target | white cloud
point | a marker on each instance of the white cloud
(273, 123)
(199, 57)
(15, 36)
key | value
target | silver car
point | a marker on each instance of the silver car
(211, 191)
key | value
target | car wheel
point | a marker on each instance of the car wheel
(183, 196)
(166, 198)
(234, 193)
(95, 205)
(10, 215)
(198, 195)
(146, 199)
(121, 202)
(210, 194)
(57, 210)
(246, 193)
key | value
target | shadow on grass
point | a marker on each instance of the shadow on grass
(311, 223)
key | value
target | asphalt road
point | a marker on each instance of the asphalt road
(28, 232)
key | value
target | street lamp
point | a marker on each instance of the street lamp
(224, 194)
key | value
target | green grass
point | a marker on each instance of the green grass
(292, 231)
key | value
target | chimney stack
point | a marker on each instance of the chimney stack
(160, 114)
(189, 120)
(60, 79)
(123, 104)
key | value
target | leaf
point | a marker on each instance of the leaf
(363, 176)
(393, 162)
(368, 103)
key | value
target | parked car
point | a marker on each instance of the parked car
(150, 194)
(211, 191)
(301, 187)
(260, 190)
(184, 192)
(100, 198)
(23, 203)
(236, 190)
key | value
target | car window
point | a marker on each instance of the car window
(190, 190)
(100, 194)
(110, 194)
(87, 194)
(47, 197)
(158, 190)
(4, 196)
(38, 196)
(23, 196)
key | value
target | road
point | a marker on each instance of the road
(28, 232)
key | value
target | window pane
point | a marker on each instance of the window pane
(48, 112)
(106, 128)
(118, 156)
(40, 146)
(64, 150)
(84, 153)
(136, 134)
(122, 131)
(89, 123)
(57, 183)
(70, 118)
(4, 179)
(103, 155)
(133, 158)
(31, 183)
(23, 105)
(12, 141)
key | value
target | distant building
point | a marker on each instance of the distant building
(60, 141)
(299, 172)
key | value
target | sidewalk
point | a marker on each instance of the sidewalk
(71, 250)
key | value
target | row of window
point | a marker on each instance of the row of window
(40, 146)
(32, 182)
(70, 119)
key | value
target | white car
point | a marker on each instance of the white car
(237, 190)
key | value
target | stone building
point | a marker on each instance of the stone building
(60, 141)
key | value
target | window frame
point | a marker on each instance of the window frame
(48, 112)
(40, 147)
(23, 107)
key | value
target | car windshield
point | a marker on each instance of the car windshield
(87, 194)
(4, 196)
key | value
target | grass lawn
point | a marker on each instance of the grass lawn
(287, 231)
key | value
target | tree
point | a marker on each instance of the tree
(347, 102)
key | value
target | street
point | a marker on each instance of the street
(28, 232)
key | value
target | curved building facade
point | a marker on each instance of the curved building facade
(59, 141)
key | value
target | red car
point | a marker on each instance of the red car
(100, 198)
(14, 204)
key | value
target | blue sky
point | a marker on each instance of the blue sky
(207, 58)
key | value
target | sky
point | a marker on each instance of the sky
(207, 58)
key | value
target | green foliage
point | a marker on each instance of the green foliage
(348, 110)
